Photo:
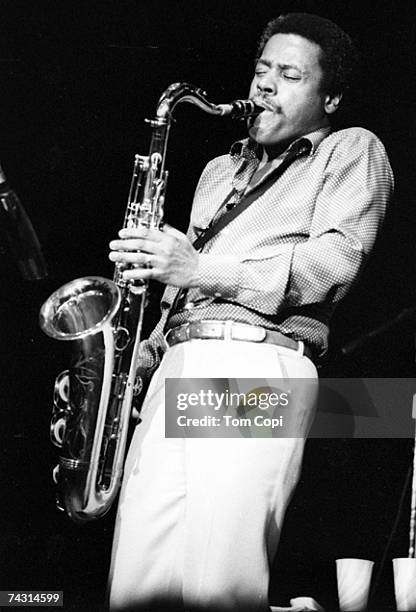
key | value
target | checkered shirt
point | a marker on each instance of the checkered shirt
(287, 259)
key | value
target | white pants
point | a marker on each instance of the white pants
(199, 519)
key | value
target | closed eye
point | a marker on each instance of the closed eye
(291, 77)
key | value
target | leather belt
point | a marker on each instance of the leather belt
(229, 330)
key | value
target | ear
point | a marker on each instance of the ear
(331, 103)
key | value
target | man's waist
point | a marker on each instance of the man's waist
(231, 330)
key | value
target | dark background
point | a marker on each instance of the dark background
(78, 79)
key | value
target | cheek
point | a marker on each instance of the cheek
(315, 108)
(301, 109)
(253, 89)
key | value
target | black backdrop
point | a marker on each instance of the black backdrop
(77, 82)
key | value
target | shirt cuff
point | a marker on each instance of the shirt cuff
(219, 275)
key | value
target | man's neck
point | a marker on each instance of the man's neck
(271, 158)
(275, 152)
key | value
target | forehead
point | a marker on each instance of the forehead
(293, 49)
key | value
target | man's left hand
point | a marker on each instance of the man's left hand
(164, 255)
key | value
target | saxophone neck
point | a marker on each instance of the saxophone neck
(183, 92)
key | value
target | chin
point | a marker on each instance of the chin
(257, 135)
(265, 138)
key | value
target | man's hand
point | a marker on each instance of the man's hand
(164, 255)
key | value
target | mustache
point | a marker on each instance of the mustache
(266, 104)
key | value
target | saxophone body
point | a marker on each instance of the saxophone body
(93, 399)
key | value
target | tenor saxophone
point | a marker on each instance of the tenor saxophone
(93, 399)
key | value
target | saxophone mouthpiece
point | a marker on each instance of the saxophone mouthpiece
(240, 109)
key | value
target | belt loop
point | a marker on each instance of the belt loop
(228, 331)
(187, 330)
(301, 348)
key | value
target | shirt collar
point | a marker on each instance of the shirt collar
(316, 137)
(249, 149)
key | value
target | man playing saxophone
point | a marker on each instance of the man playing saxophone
(199, 519)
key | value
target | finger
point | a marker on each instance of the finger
(134, 244)
(126, 245)
(139, 274)
(133, 232)
(141, 259)
(141, 232)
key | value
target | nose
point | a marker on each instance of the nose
(266, 85)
